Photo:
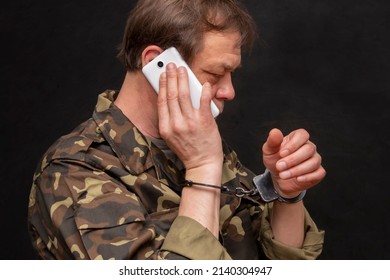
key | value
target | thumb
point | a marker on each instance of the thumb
(273, 143)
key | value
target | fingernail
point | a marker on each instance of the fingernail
(301, 179)
(181, 70)
(284, 153)
(285, 174)
(281, 165)
(170, 66)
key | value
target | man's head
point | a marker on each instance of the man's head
(181, 23)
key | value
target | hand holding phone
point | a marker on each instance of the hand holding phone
(156, 67)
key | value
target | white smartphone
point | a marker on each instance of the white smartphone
(154, 68)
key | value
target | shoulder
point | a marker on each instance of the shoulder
(74, 145)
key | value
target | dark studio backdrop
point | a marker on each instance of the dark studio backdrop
(324, 66)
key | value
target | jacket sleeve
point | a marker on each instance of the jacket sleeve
(78, 212)
(187, 233)
(312, 244)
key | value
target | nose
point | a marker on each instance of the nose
(225, 88)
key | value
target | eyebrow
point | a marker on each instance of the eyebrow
(229, 67)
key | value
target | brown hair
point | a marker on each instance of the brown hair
(181, 23)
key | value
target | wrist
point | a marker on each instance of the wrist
(283, 194)
(268, 193)
(208, 174)
(209, 162)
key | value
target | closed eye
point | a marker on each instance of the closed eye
(214, 76)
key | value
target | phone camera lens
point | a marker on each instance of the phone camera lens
(160, 64)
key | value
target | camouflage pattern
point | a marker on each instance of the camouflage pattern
(106, 192)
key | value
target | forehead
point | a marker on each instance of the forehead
(220, 49)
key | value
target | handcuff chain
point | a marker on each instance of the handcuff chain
(239, 191)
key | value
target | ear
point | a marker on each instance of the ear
(149, 53)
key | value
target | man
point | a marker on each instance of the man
(149, 176)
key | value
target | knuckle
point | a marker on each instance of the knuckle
(323, 172)
(311, 148)
(164, 132)
(171, 95)
(315, 162)
(163, 79)
(161, 101)
(319, 157)
(176, 126)
(304, 133)
(183, 94)
(191, 126)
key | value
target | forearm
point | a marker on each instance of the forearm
(202, 203)
(287, 222)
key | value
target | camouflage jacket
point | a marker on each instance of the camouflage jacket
(104, 191)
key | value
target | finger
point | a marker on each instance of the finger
(273, 143)
(294, 141)
(184, 92)
(205, 99)
(162, 106)
(304, 168)
(312, 178)
(305, 152)
(172, 92)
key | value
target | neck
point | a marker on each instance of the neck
(138, 102)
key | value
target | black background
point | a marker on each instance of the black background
(324, 66)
